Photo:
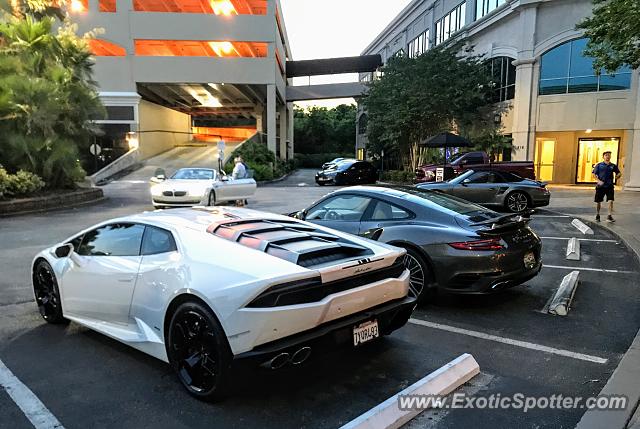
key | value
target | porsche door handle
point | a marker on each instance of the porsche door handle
(126, 279)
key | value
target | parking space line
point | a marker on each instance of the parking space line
(582, 239)
(509, 341)
(550, 216)
(39, 416)
(601, 270)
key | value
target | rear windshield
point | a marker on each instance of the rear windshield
(454, 204)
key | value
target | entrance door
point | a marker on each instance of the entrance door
(544, 159)
(590, 153)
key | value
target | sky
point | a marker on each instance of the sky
(335, 28)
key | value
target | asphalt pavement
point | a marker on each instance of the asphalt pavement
(87, 380)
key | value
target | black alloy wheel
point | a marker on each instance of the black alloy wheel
(517, 202)
(198, 351)
(212, 199)
(45, 286)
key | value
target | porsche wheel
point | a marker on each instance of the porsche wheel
(517, 202)
(198, 351)
(45, 287)
(420, 276)
(212, 199)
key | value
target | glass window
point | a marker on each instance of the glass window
(450, 23)
(157, 240)
(555, 63)
(386, 211)
(120, 239)
(503, 73)
(479, 177)
(340, 208)
(76, 243)
(483, 7)
(565, 69)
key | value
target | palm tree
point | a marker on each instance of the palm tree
(47, 97)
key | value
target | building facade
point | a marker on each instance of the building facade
(170, 72)
(561, 114)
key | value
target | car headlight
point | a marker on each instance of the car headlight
(156, 191)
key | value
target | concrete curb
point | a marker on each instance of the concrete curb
(561, 302)
(279, 179)
(582, 227)
(52, 202)
(573, 249)
(440, 382)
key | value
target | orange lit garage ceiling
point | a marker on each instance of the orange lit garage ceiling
(217, 7)
(185, 48)
(102, 48)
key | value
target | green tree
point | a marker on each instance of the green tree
(321, 130)
(614, 34)
(446, 88)
(47, 96)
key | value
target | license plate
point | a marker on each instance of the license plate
(529, 260)
(365, 332)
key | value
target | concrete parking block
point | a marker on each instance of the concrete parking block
(561, 302)
(573, 249)
(443, 381)
(582, 227)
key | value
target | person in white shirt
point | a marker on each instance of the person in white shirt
(239, 171)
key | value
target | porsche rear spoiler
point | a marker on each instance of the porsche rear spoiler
(504, 223)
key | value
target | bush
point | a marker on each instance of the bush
(261, 160)
(398, 176)
(23, 183)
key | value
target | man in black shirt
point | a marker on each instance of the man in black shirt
(603, 172)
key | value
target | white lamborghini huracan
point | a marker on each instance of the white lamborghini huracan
(200, 288)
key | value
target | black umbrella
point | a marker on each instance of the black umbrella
(446, 140)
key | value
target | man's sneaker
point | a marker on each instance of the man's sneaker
(610, 219)
(597, 218)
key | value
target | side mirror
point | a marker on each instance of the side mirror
(373, 234)
(64, 250)
(465, 182)
(302, 215)
(224, 178)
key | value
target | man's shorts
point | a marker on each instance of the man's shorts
(602, 191)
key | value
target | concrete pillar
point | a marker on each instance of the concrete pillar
(526, 88)
(290, 130)
(283, 131)
(271, 118)
(523, 132)
(631, 174)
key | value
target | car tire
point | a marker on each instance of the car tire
(419, 268)
(198, 351)
(517, 201)
(212, 199)
(47, 293)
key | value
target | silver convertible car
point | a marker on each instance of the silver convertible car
(495, 189)
(198, 187)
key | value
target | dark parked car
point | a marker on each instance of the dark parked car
(472, 161)
(333, 162)
(495, 189)
(348, 172)
(451, 244)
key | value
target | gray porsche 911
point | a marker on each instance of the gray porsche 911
(451, 244)
(495, 189)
